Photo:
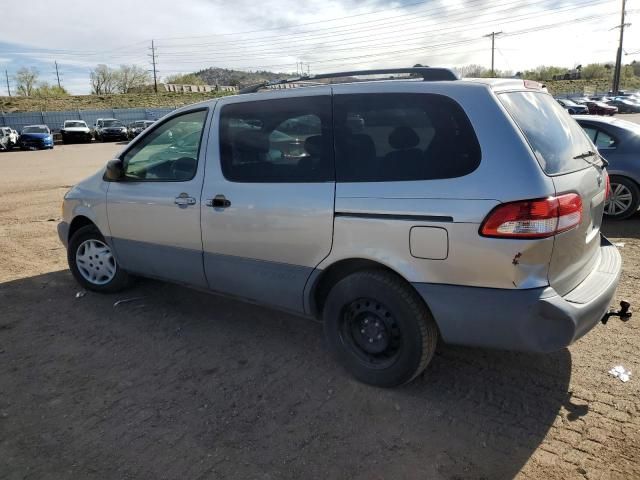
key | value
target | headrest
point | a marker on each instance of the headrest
(313, 145)
(252, 140)
(403, 138)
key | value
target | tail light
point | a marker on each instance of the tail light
(539, 218)
(607, 187)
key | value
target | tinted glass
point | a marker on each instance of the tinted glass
(168, 153)
(556, 139)
(35, 130)
(395, 137)
(600, 138)
(112, 123)
(277, 141)
(75, 124)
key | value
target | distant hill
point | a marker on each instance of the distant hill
(224, 76)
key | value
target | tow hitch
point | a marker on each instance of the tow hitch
(623, 313)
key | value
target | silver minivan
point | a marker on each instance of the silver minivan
(398, 211)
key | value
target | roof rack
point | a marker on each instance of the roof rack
(428, 74)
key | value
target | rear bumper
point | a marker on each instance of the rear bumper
(534, 320)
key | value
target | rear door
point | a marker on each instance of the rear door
(561, 147)
(154, 212)
(268, 195)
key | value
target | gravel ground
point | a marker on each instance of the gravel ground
(184, 385)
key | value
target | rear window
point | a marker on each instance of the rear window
(402, 137)
(556, 138)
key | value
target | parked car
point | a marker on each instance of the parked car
(110, 129)
(463, 209)
(136, 128)
(572, 107)
(11, 135)
(5, 143)
(600, 108)
(75, 131)
(618, 141)
(35, 137)
(624, 106)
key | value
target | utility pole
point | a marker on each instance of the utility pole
(493, 47)
(57, 74)
(6, 74)
(153, 60)
(615, 87)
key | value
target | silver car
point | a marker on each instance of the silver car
(397, 211)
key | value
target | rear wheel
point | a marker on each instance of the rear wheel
(379, 329)
(92, 262)
(623, 200)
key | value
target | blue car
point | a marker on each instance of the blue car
(618, 141)
(35, 137)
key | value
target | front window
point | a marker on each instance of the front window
(35, 130)
(168, 153)
(75, 124)
(112, 123)
(555, 138)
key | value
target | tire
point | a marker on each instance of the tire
(627, 194)
(378, 328)
(83, 243)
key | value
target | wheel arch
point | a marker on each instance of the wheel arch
(77, 223)
(321, 281)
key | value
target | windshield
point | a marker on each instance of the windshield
(75, 124)
(112, 123)
(553, 135)
(570, 103)
(35, 130)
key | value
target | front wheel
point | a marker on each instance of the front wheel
(623, 200)
(379, 329)
(92, 262)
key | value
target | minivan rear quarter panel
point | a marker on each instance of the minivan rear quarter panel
(381, 214)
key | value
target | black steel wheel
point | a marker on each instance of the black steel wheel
(379, 328)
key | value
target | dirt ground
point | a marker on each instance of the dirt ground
(185, 385)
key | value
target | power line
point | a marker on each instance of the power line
(314, 50)
(354, 30)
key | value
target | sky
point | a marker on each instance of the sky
(325, 35)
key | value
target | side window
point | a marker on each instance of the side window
(591, 133)
(169, 153)
(286, 140)
(604, 140)
(398, 137)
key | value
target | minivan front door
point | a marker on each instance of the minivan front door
(154, 211)
(268, 196)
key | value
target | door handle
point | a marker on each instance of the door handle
(219, 201)
(184, 199)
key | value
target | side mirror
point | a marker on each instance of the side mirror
(115, 170)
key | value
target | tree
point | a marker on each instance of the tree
(595, 71)
(131, 77)
(103, 80)
(46, 90)
(26, 79)
(472, 71)
(186, 79)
